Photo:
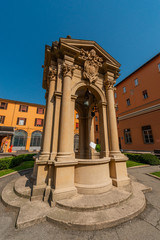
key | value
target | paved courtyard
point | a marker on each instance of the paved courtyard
(146, 226)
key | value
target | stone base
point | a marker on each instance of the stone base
(63, 193)
(82, 212)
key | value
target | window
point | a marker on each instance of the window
(77, 115)
(36, 139)
(147, 134)
(128, 102)
(136, 82)
(20, 138)
(115, 95)
(97, 140)
(145, 94)
(38, 122)
(77, 125)
(96, 118)
(2, 119)
(127, 135)
(159, 67)
(124, 89)
(21, 121)
(96, 128)
(40, 110)
(3, 105)
(23, 108)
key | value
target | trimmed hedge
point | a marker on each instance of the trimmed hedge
(10, 162)
(143, 158)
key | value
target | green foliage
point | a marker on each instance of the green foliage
(10, 162)
(156, 174)
(22, 166)
(143, 158)
(98, 147)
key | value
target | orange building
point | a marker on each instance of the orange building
(21, 125)
(138, 108)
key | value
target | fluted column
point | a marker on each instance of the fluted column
(113, 131)
(103, 129)
(118, 169)
(46, 146)
(65, 136)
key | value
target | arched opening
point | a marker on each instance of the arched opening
(36, 139)
(19, 140)
(88, 105)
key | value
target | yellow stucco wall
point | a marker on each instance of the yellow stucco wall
(12, 113)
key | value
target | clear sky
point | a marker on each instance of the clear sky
(128, 30)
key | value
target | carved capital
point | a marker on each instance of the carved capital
(91, 64)
(109, 81)
(52, 73)
(67, 70)
(110, 85)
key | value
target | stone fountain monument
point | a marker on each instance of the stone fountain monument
(84, 189)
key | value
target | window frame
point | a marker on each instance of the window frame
(124, 90)
(148, 130)
(127, 136)
(145, 94)
(128, 101)
(40, 108)
(35, 124)
(136, 80)
(3, 118)
(20, 118)
(21, 106)
(5, 107)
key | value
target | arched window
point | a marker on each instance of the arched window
(36, 139)
(20, 138)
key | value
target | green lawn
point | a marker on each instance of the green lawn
(133, 164)
(22, 166)
(156, 174)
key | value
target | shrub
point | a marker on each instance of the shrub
(98, 147)
(143, 158)
(11, 162)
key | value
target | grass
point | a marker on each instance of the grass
(22, 166)
(156, 174)
(133, 164)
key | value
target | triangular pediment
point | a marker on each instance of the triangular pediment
(76, 45)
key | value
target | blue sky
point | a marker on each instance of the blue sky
(128, 30)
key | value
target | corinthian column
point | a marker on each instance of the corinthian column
(118, 170)
(65, 136)
(113, 131)
(46, 145)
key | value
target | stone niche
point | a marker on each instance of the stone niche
(78, 75)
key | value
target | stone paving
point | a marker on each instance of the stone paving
(146, 226)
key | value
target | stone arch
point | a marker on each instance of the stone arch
(36, 139)
(95, 89)
(19, 140)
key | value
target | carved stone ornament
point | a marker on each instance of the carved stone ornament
(110, 85)
(67, 70)
(91, 64)
(52, 73)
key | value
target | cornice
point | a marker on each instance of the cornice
(140, 112)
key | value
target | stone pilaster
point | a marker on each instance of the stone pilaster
(118, 170)
(46, 147)
(64, 153)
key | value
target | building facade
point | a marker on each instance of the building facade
(21, 125)
(137, 100)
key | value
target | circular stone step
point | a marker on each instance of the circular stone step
(94, 202)
(23, 186)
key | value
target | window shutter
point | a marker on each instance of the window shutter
(17, 121)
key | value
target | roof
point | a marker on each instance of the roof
(19, 102)
(139, 68)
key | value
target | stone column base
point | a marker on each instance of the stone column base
(63, 193)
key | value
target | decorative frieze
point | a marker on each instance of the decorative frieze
(91, 64)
